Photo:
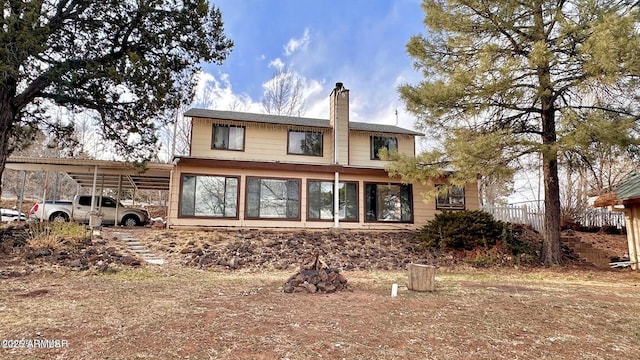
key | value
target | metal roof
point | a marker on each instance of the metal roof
(294, 121)
(630, 188)
(150, 176)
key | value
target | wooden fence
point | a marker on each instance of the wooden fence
(517, 215)
(601, 217)
(527, 216)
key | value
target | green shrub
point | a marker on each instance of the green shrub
(462, 230)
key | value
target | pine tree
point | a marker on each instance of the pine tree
(504, 79)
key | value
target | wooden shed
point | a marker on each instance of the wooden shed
(627, 194)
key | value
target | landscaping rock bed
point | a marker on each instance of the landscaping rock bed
(19, 257)
(233, 249)
(238, 249)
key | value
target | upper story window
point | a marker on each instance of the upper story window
(228, 137)
(452, 200)
(379, 142)
(305, 143)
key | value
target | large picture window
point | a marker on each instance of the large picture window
(228, 137)
(380, 142)
(389, 202)
(273, 198)
(305, 143)
(453, 199)
(320, 200)
(209, 196)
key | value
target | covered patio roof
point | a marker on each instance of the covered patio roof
(108, 174)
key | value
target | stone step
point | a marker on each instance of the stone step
(139, 249)
(586, 251)
(157, 261)
(148, 255)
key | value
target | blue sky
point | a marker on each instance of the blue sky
(358, 42)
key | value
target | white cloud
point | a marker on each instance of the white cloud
(296, 44)
(276, 63)
(217, 93)
(316, 98)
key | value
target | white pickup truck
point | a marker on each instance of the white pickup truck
(80, 209)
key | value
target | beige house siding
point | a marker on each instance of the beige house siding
(472, 197)
(262, 143)
(422, 210)
(268, 143)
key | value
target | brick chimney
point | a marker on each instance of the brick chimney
(339, 121)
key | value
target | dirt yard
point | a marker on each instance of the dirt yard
(155, 312)
(220, 296)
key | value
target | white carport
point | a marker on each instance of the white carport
(101, 174)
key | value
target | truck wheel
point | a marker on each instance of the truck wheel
(59, 216)
(130, 220)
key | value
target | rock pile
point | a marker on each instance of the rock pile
(316, 277)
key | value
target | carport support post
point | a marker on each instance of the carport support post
(135, 192)
(24, 179)
(116, 222)
(93, 188)
(101, 195)
(44, 196)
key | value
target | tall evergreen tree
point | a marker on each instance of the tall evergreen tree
(125, 63)
(506, 78)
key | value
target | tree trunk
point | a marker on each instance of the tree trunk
(6, 122)
(551, 244)
(551, 253)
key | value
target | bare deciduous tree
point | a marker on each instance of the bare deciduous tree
(283, 94)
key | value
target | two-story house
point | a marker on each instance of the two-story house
(257, 170)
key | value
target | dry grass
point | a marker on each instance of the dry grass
(54, 235)
(167, 313)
